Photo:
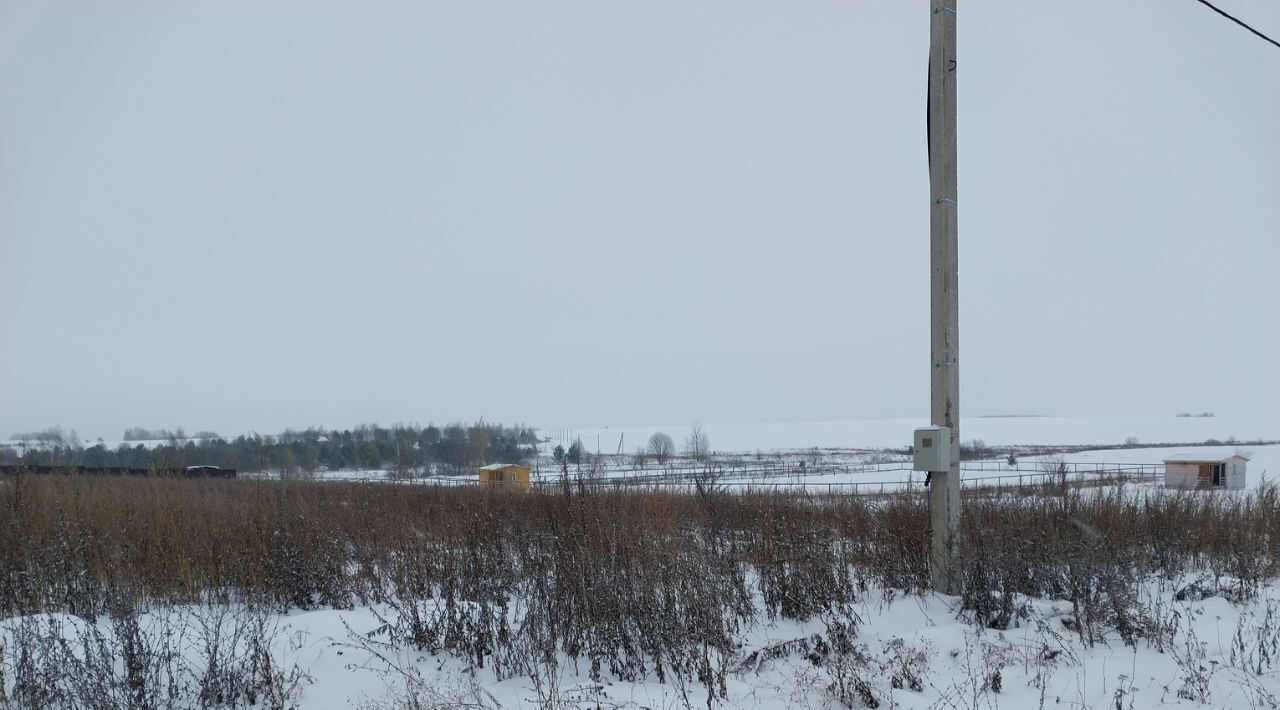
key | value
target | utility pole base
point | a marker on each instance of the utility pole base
(944, 523)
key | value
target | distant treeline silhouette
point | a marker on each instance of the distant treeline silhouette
(404, 449)
(138, 433)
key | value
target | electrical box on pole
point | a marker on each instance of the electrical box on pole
(932, 449)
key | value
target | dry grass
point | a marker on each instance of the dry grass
(629, 584)
(603, 559)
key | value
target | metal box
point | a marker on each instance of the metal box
(932, 448)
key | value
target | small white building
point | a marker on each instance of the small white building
(1198, 471)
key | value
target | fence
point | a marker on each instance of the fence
(1071, 474)
(740, 478)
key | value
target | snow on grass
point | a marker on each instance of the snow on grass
(1202, 645)
(907, 652)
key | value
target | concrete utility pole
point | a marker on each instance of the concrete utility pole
(944, 384)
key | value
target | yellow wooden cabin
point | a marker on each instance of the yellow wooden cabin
(504, 475)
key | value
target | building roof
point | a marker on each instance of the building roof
(500, 466)
(1203, 458)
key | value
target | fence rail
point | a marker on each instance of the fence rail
(1072, 474)
(1093, 473)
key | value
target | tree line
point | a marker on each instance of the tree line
(405, 449)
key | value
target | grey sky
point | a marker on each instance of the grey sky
(259, 214)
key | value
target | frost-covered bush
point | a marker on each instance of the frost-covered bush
(211, 656)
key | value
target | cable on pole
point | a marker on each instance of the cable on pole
(1209, 5)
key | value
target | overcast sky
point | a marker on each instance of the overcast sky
(265, 214)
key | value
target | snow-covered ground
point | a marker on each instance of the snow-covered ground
(852, 473)
(1041, 663)
(896, 433)
(1263, 466)
(846, 457)
(847, 472)
(905, 652)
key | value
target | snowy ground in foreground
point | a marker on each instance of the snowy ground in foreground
(1041, 663)
(1211, 656)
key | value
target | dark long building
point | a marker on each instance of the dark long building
(187, 472)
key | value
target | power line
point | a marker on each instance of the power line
(1238, 22)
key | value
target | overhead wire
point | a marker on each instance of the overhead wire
(1209, 5)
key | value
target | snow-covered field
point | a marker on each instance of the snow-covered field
(848, 456)
(896, 433)
(1141, 468)
(850, 472)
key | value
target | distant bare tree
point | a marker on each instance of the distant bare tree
(696, 443)
(706, 479)
(661, 446)
(288, 466)
(1056, 468)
